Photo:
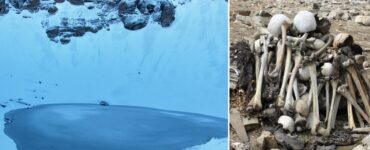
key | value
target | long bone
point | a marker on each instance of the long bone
(295, 89)
(288, 106)
(360, 59)
(287, 68)
(281, 51)
(351, 121)
(335, 103)
(257, 50)
(345, 93)
(327, 71)
(353, 72)
(315, 99)
(332, 116)
(257, 102)
(352, 90)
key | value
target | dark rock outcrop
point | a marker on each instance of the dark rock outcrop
(134, 14)
(4, 8)
(72, 28)
(30, 5)
(76, 2)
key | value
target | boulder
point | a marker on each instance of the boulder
(127, 7)
(135, 21)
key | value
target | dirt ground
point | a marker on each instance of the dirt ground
(248, 15)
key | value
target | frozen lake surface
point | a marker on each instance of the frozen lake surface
(96, 127)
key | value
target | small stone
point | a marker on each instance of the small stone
(345, 16)
(266, 141)
(251, 123)
(261, 139)
(335, 14)
(359, 147)
(353, 12)
(244, 12)
(316, 6)
(364, 20)
(287, 141)
(263, 13)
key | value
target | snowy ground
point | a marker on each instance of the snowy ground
(182, 68)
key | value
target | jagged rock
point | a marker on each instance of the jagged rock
(73, 28)
(127, 7)
(76, 2)
(288, 141)
(135, 21)
(30, 5)
(4, 8)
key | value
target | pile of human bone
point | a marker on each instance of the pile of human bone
(303, 75)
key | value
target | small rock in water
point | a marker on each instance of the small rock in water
(104, 103)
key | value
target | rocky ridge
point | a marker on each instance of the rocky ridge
(133, 14)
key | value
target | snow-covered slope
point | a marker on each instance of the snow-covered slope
(182, 67)
(95, 127)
